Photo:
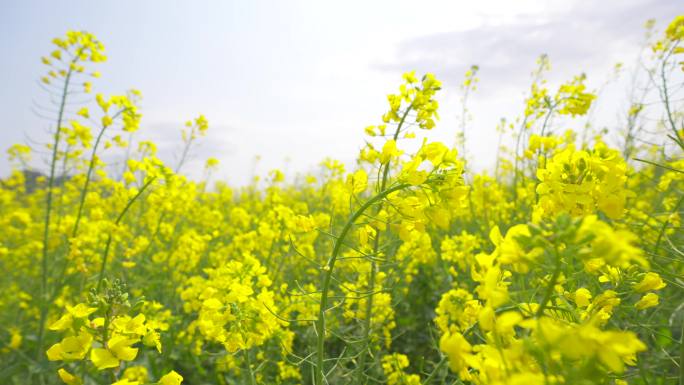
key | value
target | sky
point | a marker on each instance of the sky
(294, 82)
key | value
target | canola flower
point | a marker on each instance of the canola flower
(561, 267)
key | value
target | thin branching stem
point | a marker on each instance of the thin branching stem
(48, 212)
(116, 223)
(327, 276)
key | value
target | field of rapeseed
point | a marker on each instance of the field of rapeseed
(564, 264)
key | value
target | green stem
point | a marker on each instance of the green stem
(186, 149)
(549, 289)
(517, 150)
(89, 173)
(435, 370)
(328, 270)
(116, 223)
(642, 371)
(547, 117)
(664, 226)
(248, 362)
(666, 101)
(48, 212)
(659, 165)
(84, 192)
(681, 357)
(361, 369)
(368, 320)
(105, 339)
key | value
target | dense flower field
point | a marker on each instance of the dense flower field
(564, 264)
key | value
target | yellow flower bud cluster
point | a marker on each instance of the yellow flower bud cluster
(417, 96)
(581, 182)
(72, 53)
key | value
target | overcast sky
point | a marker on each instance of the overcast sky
(297, 81)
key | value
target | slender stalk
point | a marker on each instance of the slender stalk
(328, 270)
(664, 226)
(666, 101)
(128, 155)
(48, 212)
(84, 192)
(186, 149)
(89, 173)
(105, 341)
(368, 320)
(549, 289)
(116, 223)
(248, 362)
(642, 371)
(517, 159)
(523, 125)
(464, 111)
(498, 157)
(681, 357)
(432, 375)
(659, 165)
(361, 368)
(547, 117)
